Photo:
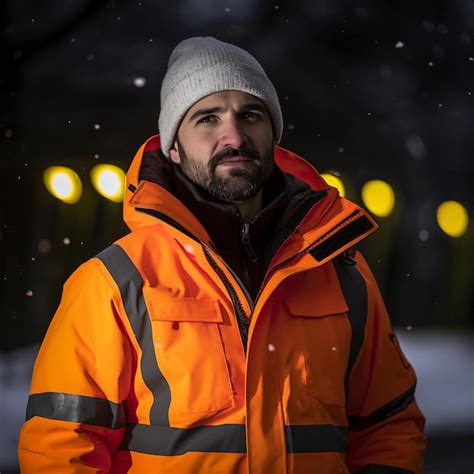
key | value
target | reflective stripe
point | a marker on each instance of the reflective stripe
(359, 423)
(354, 289)
(316, 438)
(166, 441)
(130, 283)
(76, 408)
(382, 469)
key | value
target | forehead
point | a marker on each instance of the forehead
(224, 99)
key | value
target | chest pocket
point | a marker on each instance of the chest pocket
(318, 312)
(190, 354)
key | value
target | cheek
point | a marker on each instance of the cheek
(199, 145)
(263, 139)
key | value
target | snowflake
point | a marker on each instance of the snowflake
(139, 82)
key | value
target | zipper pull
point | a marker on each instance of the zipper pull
(247, 243)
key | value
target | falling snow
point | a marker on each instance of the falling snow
(340, 149)
(96, 126)
(399, 44)
(8, 133)
(415, 146)
(430, 63)
(139, 82)
(29, 293)
(73, 40)
(189, 248)
(44, 246)
(96, 156)
(409, 328)
(271, 347)
(66, 241)
(423, 235)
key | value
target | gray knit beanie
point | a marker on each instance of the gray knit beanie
(199, 67)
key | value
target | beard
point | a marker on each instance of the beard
(234, 184)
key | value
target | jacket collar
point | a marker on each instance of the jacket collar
(327, 229)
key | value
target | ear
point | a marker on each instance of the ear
(174, 154)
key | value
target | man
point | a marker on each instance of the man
(235, 329)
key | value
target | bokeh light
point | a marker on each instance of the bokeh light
(63, 183)
(109, 181)
(335, 182)
(452, 218)
(378, 197)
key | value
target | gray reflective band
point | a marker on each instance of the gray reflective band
(382, 469)
(354, 289)
(166, 441)
(76, 408)
(316, 438)
(130, 283)
(402, 402)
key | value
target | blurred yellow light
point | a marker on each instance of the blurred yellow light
(452, 218)
(378, 197)
(109, 181)
(335, 182)
(63, 183)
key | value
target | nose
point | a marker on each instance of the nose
(232, 135)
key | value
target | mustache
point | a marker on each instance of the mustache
(244, 152)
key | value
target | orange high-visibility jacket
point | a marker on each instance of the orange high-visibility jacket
(157, 361)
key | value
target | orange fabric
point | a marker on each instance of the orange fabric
(291, 377)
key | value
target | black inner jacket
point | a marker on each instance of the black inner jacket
(285, 201)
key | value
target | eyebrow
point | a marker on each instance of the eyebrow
(212, 110)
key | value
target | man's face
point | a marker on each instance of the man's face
(225, 145)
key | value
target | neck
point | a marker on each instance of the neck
(250, 208)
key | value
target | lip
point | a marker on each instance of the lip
(234, 161)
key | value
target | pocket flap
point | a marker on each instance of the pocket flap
(186, 309)
(315, 294)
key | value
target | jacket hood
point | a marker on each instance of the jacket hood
(142, 193)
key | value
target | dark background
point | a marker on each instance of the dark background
(369, 89)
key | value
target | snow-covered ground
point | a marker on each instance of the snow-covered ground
(444, 362)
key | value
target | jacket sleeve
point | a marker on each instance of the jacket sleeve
(385, 423)
(75, 415)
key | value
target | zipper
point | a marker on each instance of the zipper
(242, 320)
(342, 224)
(247, 243)
(273, 270)
(298, 255)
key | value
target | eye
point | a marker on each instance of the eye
(207, 119)
(251, 116)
